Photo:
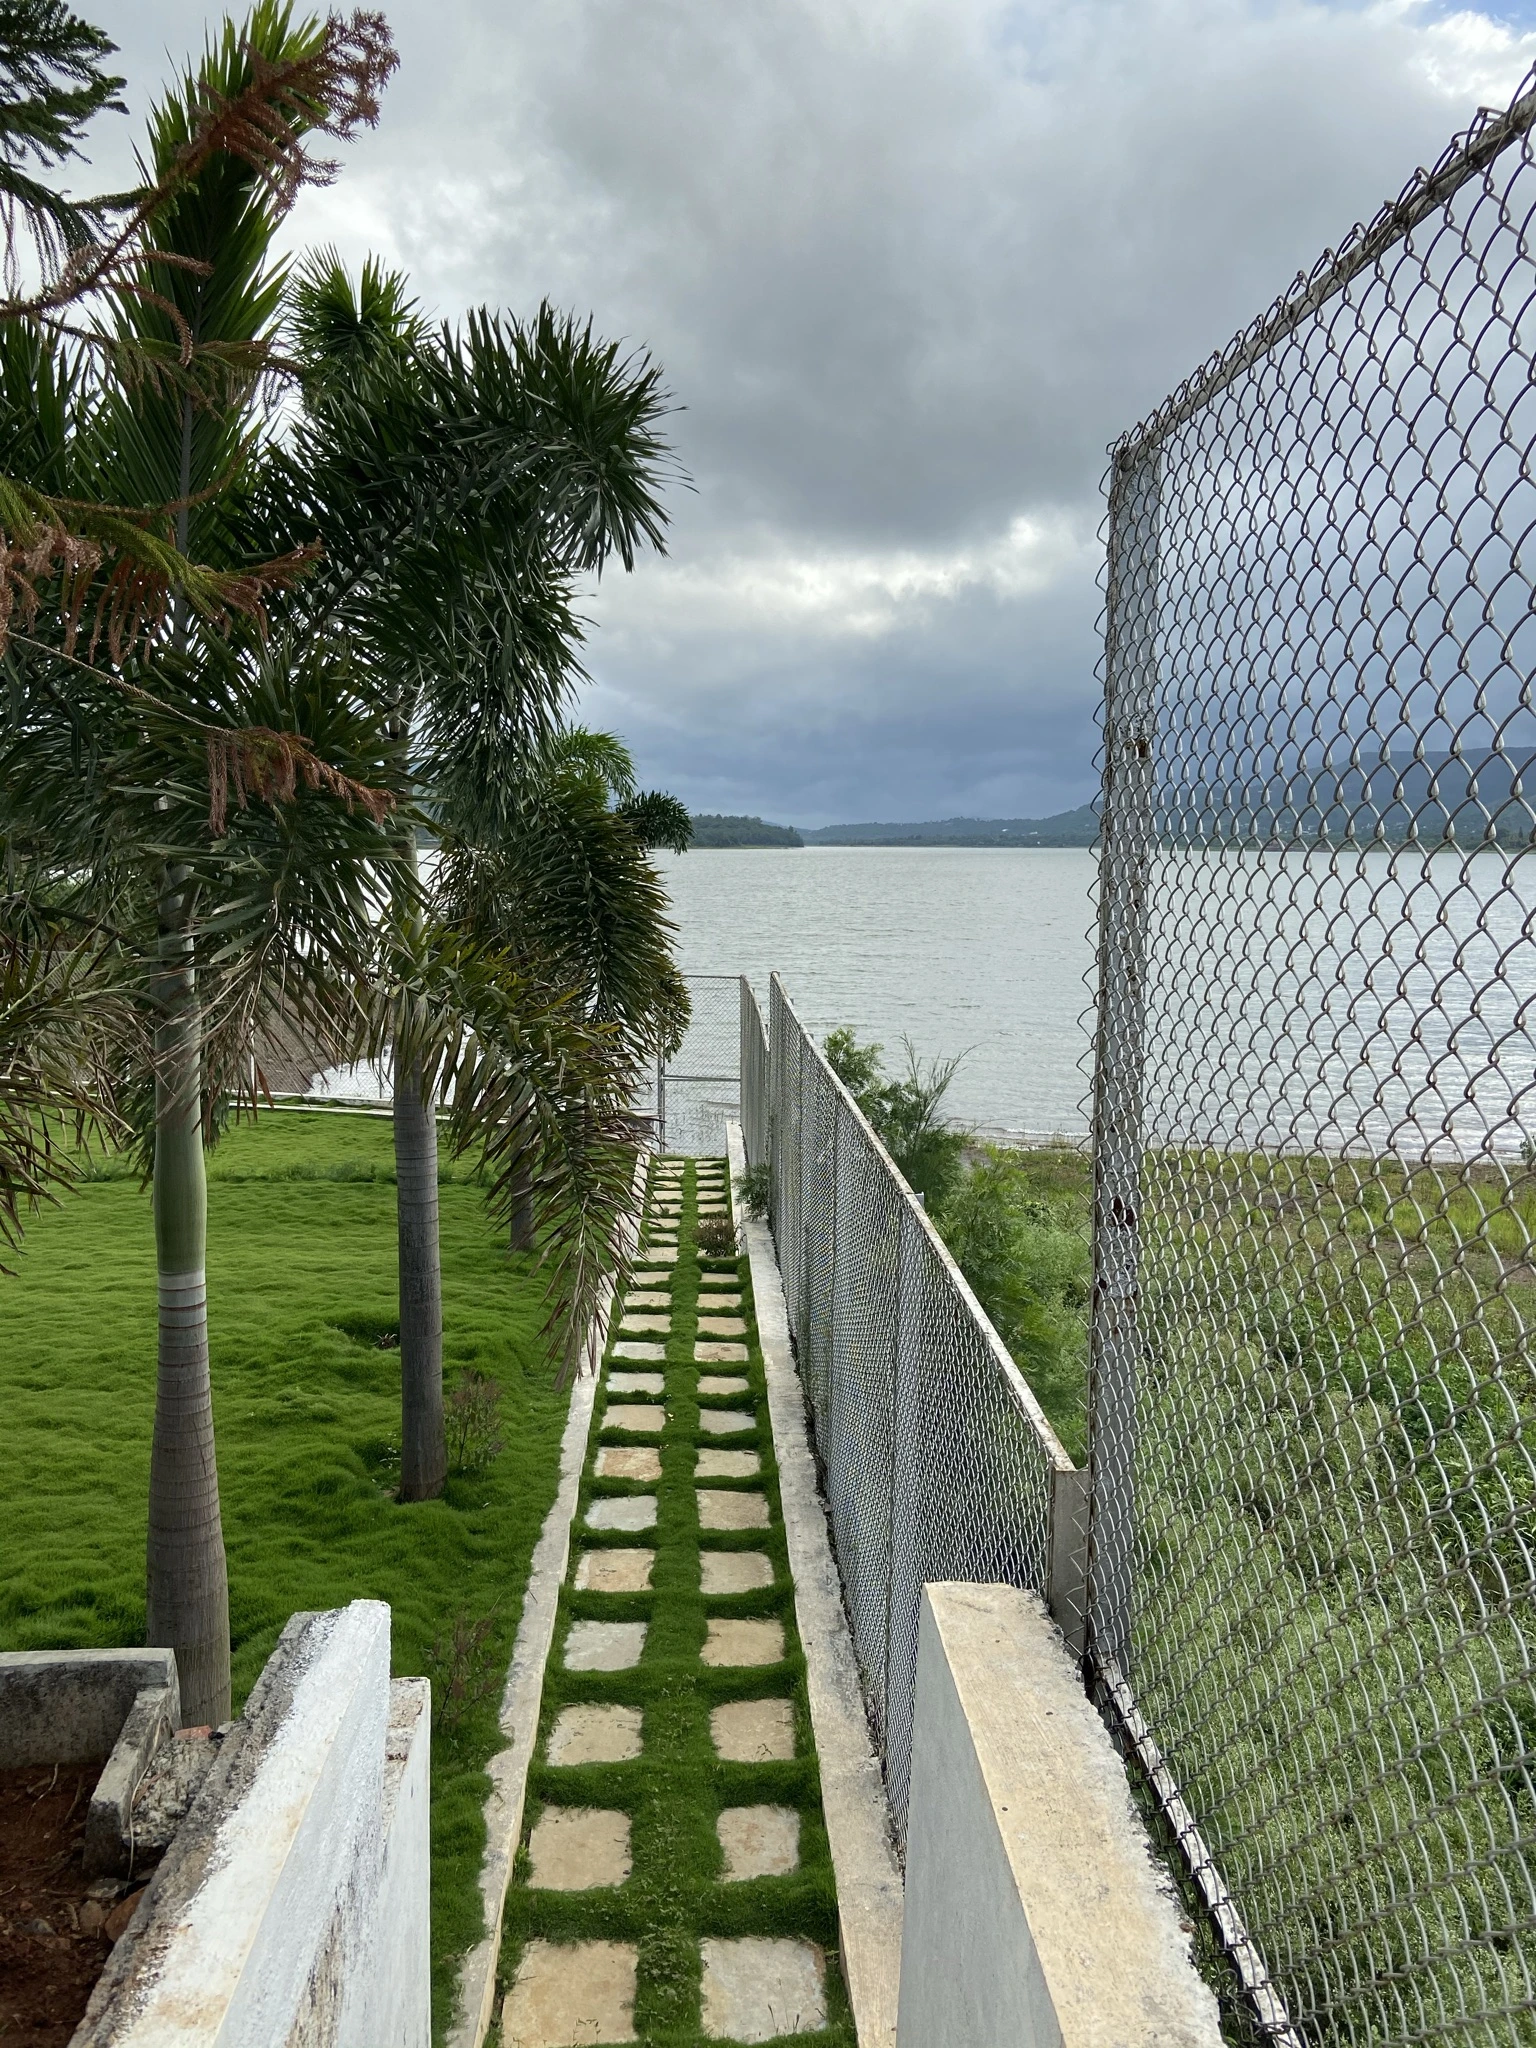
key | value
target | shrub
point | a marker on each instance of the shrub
(473, 1422)
(465, 1670)
(753, 1189)
(716, 1236)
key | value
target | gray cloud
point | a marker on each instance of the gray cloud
(909, 265)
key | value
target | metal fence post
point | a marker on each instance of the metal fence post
(1124, 872)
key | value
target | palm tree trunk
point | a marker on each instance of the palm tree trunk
(423, 1449)
(521, 1237)
(187, 1580)
(423, 1446)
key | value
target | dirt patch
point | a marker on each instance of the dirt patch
(54, 1921)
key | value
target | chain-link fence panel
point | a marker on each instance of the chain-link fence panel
(690, 1096)
(754, 1076)
(935, 1456)
(1313, 1406)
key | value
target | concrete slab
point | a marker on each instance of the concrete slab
(1028, 1868)
(630, 1347)
(727, 1464)
(614, 1571)
(753, 1731)
(651, 1280)
(640, 1418)
(601, 1735)
(727, 1279)
(644, 1325)
(571, 1994)
(722, 1326)
(714, 1351)
(628, 1461)
(631, 1513)
(755, 1990)
(578, 1849)
(605, 1645)
(659, 1255)
(718, 1383)
(726, 1299)
(724, 1421)
(720, 1510)
(644, 1297)
(733, 1571)
(640, 1383)
(758, 1841)
(741, 1642)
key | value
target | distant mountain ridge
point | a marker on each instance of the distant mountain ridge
(1064, 828)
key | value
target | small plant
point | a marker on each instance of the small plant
(754, 1189)
(473, 1421)
(464, 1669)
(716, 1236)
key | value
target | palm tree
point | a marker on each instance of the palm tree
(461, 482)
(131, 788)
(562, 877)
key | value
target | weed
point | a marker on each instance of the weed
(474, 1421)
(465, 1667)
(753, 1190)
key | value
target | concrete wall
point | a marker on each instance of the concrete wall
(1035, 1914)
(292, 1908)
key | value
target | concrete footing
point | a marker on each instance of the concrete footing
(1035, 1913)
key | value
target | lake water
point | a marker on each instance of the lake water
(970, 950)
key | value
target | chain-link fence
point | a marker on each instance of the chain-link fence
(936, 1458)
(689, 1096)
(1313, 1406)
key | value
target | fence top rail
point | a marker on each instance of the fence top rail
(1002, 1358)
(1464, 158)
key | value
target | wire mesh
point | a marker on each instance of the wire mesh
(935, 1457)
(694, 1092)
(754, 1076)
(1312, 1409)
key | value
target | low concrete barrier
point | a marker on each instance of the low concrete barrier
(292, 1905)
(1035, 1913)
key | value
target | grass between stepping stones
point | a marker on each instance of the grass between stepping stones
(675, 1791)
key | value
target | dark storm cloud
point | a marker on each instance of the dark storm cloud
(909, 266)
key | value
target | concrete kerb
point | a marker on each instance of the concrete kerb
(524, 1691)
(869, 1884)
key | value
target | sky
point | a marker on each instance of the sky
(908, 267)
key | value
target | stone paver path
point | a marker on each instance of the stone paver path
(674, 1882)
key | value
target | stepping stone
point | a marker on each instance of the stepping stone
(610, 1645)
(745, 1731)
(614, 1571)
(719, 1510)
(645, 1417)
(631, 1513)
(709, 1303)
(709, 1382)
(756, 1989)
(726, 1571)
(579, 1848)
(758, 1841)
(654, 1383)
(725, 1465)
(630, 1461)
(570, 1994)
(609, 1735)
(736, 1642)
(630, 1347)
(640, 1326)
(713, 1351)
(660, 1255)
(720, 1279)
(713, 1209)
(722, 1421)
(638, 1299)
(718, 1326)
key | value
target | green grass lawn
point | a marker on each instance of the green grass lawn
(301, 1284)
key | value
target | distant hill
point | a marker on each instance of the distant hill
(712, 829)
(1066, 828)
